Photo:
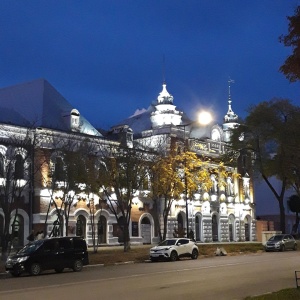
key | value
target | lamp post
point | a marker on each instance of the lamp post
(204, 118)
(185, 196)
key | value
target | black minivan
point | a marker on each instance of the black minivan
(47, 254)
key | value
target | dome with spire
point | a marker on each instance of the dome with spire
(230, 116)
(230, 119)
(164, 96)
(165, 112)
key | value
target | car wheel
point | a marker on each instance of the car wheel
(59, 270)
(282, 248)
(295, 247)
(77, 265)
(173, 256)
(194, 254)
(35, 269)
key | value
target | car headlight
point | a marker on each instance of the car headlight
(21, 259)
(278, 244)
(167, 248)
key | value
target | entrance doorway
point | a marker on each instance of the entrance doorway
(146, 230)
(81, 226)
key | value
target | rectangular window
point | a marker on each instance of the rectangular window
(135, 229)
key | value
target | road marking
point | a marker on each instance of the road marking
(135, 275)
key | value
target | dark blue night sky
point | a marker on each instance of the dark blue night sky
(106, 57)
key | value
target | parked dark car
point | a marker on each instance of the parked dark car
(47, 254)
(281, 242)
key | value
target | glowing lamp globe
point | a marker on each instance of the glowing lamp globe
(204, 118)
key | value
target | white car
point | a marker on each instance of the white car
(173, 249)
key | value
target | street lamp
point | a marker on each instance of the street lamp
(204, 118)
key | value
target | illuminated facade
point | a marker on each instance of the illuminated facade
(222, 214)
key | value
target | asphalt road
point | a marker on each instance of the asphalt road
(227, 277)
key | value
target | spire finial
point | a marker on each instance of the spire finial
(230, 116)
(229, 82)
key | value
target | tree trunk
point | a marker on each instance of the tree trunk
(297, 222)
(282, 215)
(126, 239)
(6, 238)
(165, 217)
(165, 225)
(66, 226)
(95, 245)
(279, 198)
(157, 219)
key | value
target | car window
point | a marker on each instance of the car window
(65, 244)
(31, 247)
(183, 241)
(167, 243)
(276, 238)
(79, 244)
(50, 245)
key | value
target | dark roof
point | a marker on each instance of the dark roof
(39, 104)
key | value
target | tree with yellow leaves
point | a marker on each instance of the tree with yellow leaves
(174, 175)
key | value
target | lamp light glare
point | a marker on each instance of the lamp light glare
(204, 118)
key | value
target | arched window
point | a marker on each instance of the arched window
(59, 172)
(17, 230)
(145, 184)
(215, 135)
(214, 188)
(229, 187)
(1, 166)
(19, 167)
(80, 226)
(102, 230)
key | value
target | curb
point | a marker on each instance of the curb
(4, 275)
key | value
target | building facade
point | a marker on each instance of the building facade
(224, 213)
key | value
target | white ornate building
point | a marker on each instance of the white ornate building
(222, 214)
